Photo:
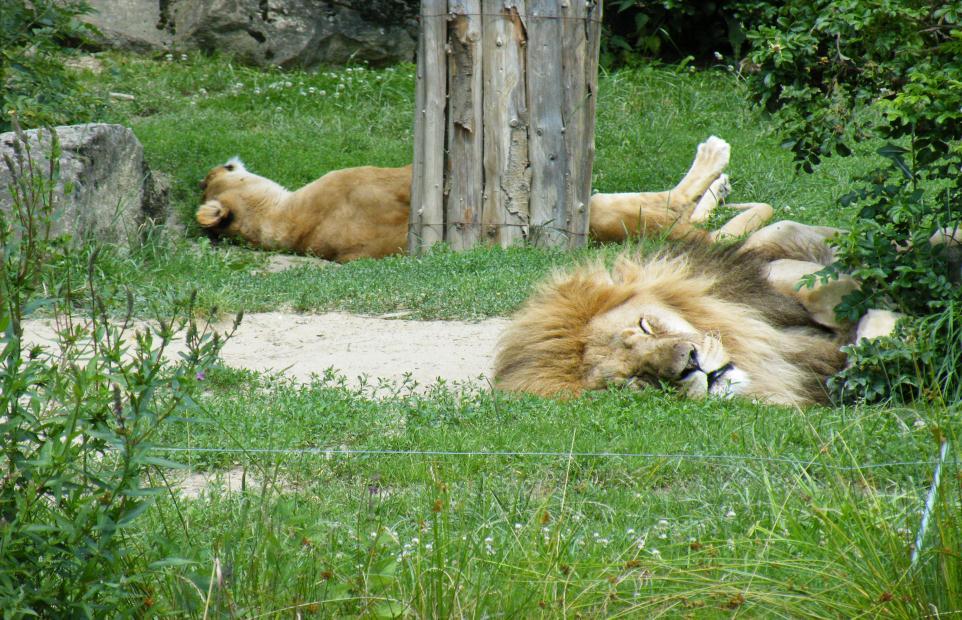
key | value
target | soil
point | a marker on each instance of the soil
(372, 348)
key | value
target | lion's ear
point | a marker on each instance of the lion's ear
(211, 213)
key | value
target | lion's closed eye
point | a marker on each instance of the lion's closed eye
(645, 326)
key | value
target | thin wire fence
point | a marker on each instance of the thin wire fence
(680, 456)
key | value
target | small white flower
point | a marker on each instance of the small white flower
(730, 514)
(718, 56)
(428, 546)
(183, 56)
(656, 553)
(663, 523)
(663, 536)
(415, 540)
(630, 532)
(489, 540)
(919, 423)
(517, 526)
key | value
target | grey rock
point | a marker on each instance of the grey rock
(289, 33)
(134, 25)
(105, 190)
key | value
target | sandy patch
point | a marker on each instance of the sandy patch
(233, 480)
(299, 345)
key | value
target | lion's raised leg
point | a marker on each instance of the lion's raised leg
(818, 300)
(875, 324)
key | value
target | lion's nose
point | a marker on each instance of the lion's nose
(203, 184)
(692, 363)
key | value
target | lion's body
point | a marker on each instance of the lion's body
(363, 212)
(703, 317)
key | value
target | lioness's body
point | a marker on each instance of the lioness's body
(363, 212)
(344, 215)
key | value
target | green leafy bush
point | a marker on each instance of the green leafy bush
(34, 82)
(76, 420)
(906, 88)
(821, 65)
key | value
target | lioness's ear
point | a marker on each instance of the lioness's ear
(211, 213)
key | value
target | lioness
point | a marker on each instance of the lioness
(363, 212)
(704, 318)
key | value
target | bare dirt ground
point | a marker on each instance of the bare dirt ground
(299, 345)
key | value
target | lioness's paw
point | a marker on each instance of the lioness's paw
(721, 187)
(211, 213)
(714, 153)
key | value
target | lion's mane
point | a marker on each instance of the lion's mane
(717, 289)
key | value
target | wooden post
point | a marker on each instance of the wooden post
(504, 122)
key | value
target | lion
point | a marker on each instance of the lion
(705, 319)
(363, 212)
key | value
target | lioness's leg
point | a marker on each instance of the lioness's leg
(818, 300)
(717, 191)
(711, 159)
(753, 215)
(615, 217)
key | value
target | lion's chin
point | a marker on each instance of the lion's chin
(725, 384)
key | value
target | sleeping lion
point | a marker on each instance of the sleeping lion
(702, 318)
(363, 212)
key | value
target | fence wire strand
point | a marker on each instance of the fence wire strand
(720, 458)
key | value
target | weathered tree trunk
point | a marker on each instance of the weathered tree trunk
(504, 122)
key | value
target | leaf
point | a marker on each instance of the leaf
(168, 562)
(894, 153)
(132, 514)
(161, 462)
(389, 609)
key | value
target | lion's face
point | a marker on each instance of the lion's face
(644, 343)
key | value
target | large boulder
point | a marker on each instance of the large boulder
(289, 33)
(105, 189)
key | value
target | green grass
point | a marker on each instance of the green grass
(782, 526)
